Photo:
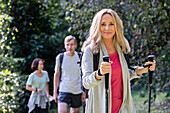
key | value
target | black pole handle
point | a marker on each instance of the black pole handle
(150, 58)
(106, 59)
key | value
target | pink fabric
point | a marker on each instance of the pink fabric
(116, 83)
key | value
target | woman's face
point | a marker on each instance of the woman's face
(107, 27)
(40, 65)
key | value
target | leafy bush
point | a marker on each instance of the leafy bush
(12, 93)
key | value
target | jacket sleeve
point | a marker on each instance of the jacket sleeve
(88, 79)
(133, 74)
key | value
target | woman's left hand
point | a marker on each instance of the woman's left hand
(141, 70)
(152, 67)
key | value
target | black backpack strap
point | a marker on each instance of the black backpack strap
(80, 54)
(128, 63)
(96, 61)
(127, 59)
(61, 61)
(95, 66)
(130, 66)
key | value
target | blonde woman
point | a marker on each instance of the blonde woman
(106, 37)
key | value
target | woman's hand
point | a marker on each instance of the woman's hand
(141, 70)
(153, 64)
(39, 90)
(105, 67)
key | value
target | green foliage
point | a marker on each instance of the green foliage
(35, 28)
(31, 33)
(150, 36)
(12, 83)
(13, 94)
(79, 15)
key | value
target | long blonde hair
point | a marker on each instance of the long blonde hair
(95, 38)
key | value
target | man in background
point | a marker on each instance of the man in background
(67, 78)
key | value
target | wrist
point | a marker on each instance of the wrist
(98, 73)
(141, 70)
(48, 94)
(97, 76)
(137, 70)
(36, 89)
(55, 91)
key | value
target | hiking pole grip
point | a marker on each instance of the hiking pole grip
(150, 58)
(106, 59)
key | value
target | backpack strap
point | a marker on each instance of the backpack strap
(127, 59)
(128, 62)
(130, 66)
(80, 54)
(61, 61)
(95, 67)
(96, 61)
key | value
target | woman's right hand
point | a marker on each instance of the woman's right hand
(39, 90)
(105, 67)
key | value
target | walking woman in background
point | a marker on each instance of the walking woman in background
(38, 84)
(106, 37)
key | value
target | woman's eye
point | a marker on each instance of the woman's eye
(111, 24)
(102, 24)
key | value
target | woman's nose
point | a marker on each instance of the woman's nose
(107, 27)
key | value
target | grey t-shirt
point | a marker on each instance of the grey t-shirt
(70, 78)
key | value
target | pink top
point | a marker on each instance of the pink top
(116, 83)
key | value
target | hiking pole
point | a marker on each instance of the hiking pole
(150, 58)
(106, 59)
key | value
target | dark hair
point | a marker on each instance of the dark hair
(34, 65)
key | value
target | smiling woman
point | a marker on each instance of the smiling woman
(107, 39)
(107, 30)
